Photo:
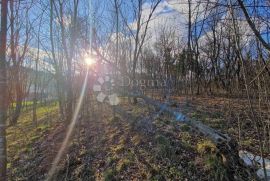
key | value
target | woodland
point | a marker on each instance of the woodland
(135, 90)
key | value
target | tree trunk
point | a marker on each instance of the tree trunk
(3, 90)
(17, 112)
(189, 47)
(34, 118)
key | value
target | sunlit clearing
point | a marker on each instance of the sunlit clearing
(90, 61)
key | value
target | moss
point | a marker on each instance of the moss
(206, 147)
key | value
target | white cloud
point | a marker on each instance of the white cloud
(165, 18)
(182, 6)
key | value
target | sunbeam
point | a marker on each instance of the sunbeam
(69, 132)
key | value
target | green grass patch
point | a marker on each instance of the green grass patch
(22, 136)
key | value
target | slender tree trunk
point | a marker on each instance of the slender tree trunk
(17, 57)
(57, 66)
(34, 119)
(3, 90)
(250, 105)
(189, 47)
(18, 107)
(13, 43)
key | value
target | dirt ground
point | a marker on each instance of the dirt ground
(149, 147)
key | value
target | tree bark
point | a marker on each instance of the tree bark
(3, 90)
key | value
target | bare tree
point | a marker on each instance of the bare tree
(141, 28)
(3, 89)
(67, 19)
(253, 26)
(18, 51)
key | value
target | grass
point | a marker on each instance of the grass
(185, 127)
(212, 163)
(167, 154)
(21, 137)
(164, 147)
(111, 160)
(175, 173)
(109, 174)
(123, 164)
(206, 147)
(136, 140)
(114, 119)
(217, 169)
(25, 103)
(118, 148)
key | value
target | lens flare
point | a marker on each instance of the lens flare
(65, 143)
(90, 61)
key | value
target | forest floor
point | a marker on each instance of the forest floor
(104, 147)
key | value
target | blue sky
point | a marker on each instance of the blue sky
(105, 16)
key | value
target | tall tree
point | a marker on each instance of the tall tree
(141, 27)
(3, 89)
(20, 27)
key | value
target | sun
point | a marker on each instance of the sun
(90, 61)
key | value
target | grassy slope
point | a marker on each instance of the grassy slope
(106, 148)
(20, 138)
